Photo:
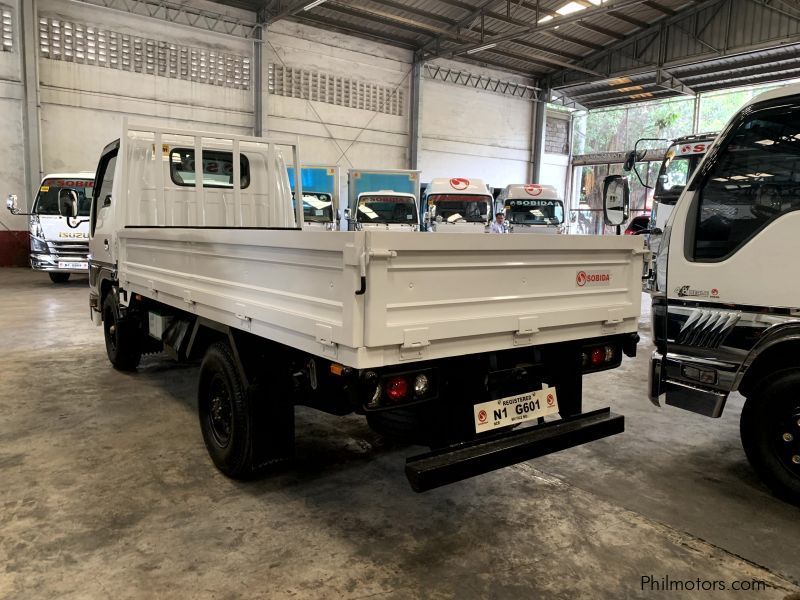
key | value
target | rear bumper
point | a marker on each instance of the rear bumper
(695, 384)
(448, 465)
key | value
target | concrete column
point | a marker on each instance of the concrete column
(696, 115)
(414, 130)
(538, 121)
(30, 112)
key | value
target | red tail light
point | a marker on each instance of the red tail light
(397, 388)
(598, 356)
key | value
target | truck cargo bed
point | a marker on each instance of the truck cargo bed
(425, 296)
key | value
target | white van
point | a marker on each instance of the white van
(457, 205)
(59, 246)
(532, 208)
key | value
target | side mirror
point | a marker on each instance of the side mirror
(347, 214)
(616, 200)
(426, 216)
(68, 203)
(11, 204)
(630, 161)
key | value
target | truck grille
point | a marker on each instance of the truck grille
(707, 328)
(70, 250)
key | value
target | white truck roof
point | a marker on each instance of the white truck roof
(387, 193)
(74, 175)
(527, 191)
(457, 185)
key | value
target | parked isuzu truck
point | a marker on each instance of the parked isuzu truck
(397, 327)
(532, 208)
(726, 305)
(59, 246)
(457, 205)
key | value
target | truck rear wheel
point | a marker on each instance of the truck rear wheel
(770, 430)
(56, 277)
(222, 407)
(122, 337)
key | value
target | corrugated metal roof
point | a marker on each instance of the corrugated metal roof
(453, 26)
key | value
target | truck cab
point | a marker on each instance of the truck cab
(726, 301)
(387, 209)
(532, 208)
(59, 245)
(457, 205)
(682, 158)
(320, 196)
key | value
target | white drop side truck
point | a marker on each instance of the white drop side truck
(477, 345)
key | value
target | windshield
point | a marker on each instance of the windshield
(317, 207)
(454, 208)
(47, 198)
(387, 209)
(535, 212)
(674, 175)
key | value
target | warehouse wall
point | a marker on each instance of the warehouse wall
(82, 105)
(12, 151)
(347, 98)
(555, 159)
(468, 132)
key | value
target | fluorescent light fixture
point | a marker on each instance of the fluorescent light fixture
(766, 142)
(545, 19)
(313, 4)
(480, 48)
(738, 177)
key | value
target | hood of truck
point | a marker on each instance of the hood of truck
(55, 228)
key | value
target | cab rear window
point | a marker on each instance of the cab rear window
(217, 168)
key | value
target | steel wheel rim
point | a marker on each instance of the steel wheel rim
(111, 330)
(220, 412)
(787, 442)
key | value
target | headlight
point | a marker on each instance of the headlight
(39, 246)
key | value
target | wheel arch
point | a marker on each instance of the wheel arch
(777, 352)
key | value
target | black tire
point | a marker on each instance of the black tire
(222, 404)
(122, 335)
(56, 277)
(770, 430)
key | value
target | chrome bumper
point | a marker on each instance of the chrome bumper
(695, 384)
(49, 263)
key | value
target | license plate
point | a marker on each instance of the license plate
(515, 409)
(72, 265)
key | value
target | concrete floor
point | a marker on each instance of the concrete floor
(107, 491)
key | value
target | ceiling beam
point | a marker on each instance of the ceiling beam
(537, 27)
(614, 35)
(361, 31)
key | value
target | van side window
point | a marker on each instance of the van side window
(755, 180)
(217, 168)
